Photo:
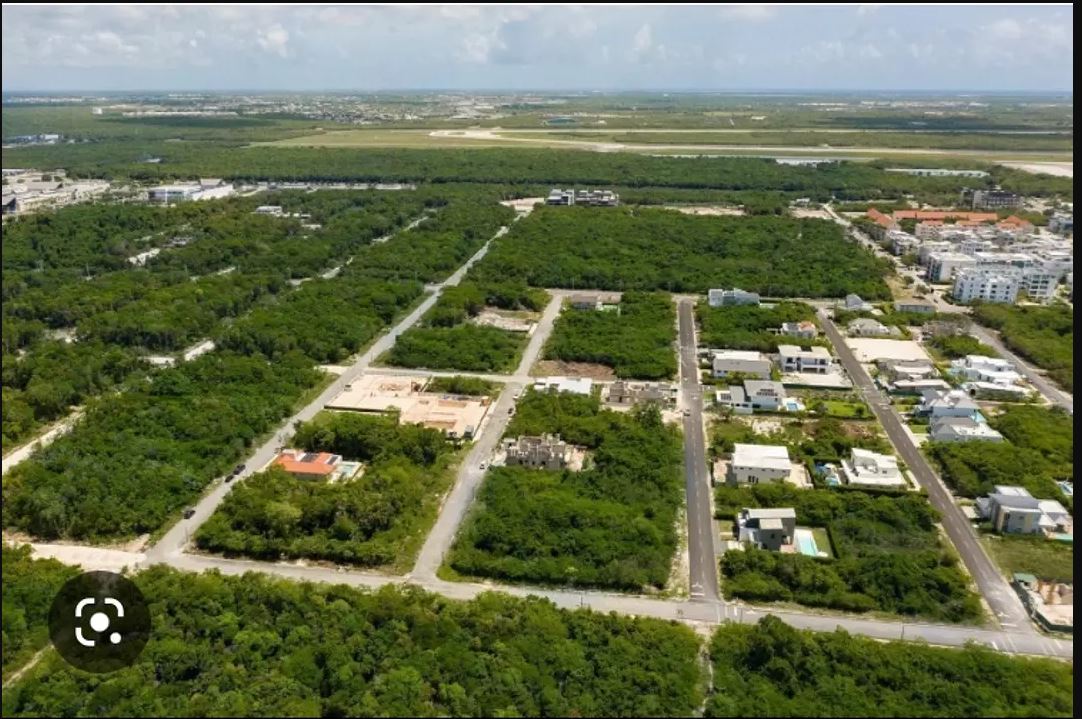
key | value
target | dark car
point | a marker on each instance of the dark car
(238, 469)
(188, 513)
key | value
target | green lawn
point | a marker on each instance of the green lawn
(847, 410)
(822, 540)
(1048, 560)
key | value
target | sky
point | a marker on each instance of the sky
(537, 47)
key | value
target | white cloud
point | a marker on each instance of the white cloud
(748, 13)
(274, 39)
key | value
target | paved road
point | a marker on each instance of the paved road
(1000, 597)
(178, 536)
(701, 555)
(697, 613)
(1044, 385)
(470, 474)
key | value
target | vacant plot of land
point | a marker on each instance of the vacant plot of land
(559, 368)
(868, 349)
(624, 248)
(1046, 559)
(635, 338)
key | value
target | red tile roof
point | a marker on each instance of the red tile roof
(305, 463)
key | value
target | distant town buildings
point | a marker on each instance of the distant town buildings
(990, 199)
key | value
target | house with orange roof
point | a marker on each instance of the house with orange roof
(315, 465)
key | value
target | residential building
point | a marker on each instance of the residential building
(942, 266)
(796, 359)
(593, 198)
(170, 194)
(755, 463)
(937, 172)
(772, 528)
(628, 393)
(872, 469)
(894, 370)
(978, 368)
(916, 306)
(274, 210)
(574, 385)
(1013, 510)
(726, 362)
(955, 403)
(560, 197)
(1061, 223)
(314, 465)
(961, 429)
(986, 285)
(544, 452)
(883, 223)
(867, 327)
(903, 242)
(994, 391)
(930, 247)
(990, 199)
(754, 395)
(803, 330)
(854, 303)
(919, 386)
(728, 298)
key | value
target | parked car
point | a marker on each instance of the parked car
(189, 513)
(481, 466)
(687, 412)
(229, 477)
(238, 469)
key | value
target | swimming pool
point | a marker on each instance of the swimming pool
(805, 542)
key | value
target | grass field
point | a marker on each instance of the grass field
(1048, 560)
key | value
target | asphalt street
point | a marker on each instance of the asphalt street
(701, 555)
(1001, 598)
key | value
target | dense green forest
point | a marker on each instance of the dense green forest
(773, 670)
(1039, 451)
(372, 520)
(842, 180)
(446, 339)
(610, 525)
(29, 588)
(635, 340)
(257, 646)
(138, 456)
(654, 249)
(1043, 335)
(889, 555)
(747, 327)
(460, 384)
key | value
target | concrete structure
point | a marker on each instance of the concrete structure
(993, 391)
(729, 298)
(978, 368)
(622, 392)
(916, 306)
(942, 266)
(918, 386)
(755, 463)
(990, 199)
(955, 403)
(962, 429)
(1051, 604)
(937, 172)
(803, 330)
(1013, 510)
(754, 395)
(273, 210)
(867, 327)
(593, 198)
(872, 469)
(456, 416)
(854, 303)
(584, 302)
(726, 362)
(795, 359)
(894, 370)
(1062, 223)
(544, 452)
(986, 285)
(207, 189)
(315, 465)
(771, 529)
(574, 385)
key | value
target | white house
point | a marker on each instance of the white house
(856, 304)
(962, 429)
(1013, 510)
(728, 298)
(987, 284)
(867, 327)
(754, 463)
(954, 403)
(978, 368)
(754, 395)
(725, 362)
(872, 469)
(805, 330)
(794, 359)
(895, 370)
